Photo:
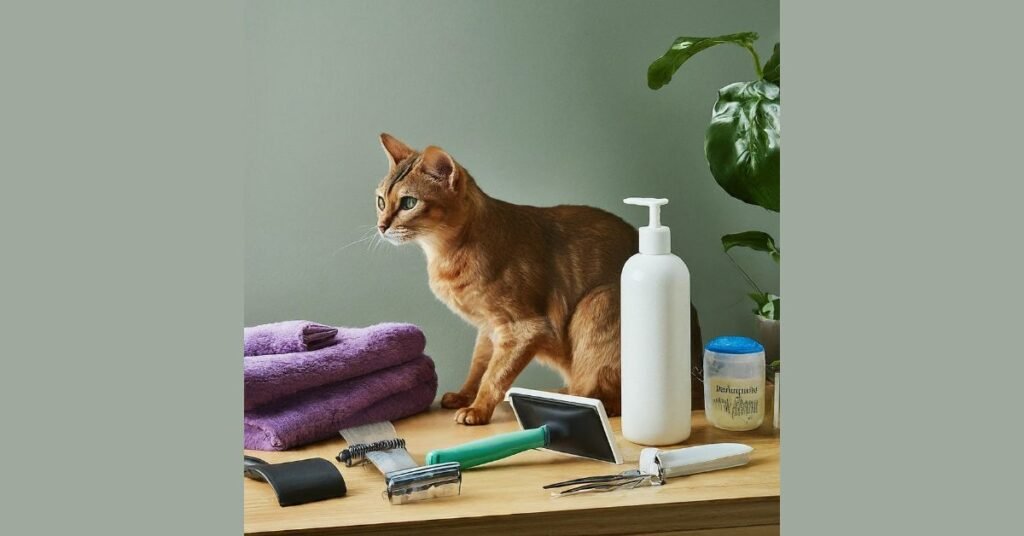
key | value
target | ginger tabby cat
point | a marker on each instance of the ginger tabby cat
(535, 282)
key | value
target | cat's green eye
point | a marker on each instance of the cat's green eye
(380, 202)
(407, 202)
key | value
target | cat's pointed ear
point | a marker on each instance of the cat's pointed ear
(395, 149)
(440, 165)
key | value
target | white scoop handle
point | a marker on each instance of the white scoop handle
(692, 460)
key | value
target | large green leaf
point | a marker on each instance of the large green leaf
(771, 71)
(768, 305)
(756, 240)
(683, 48)
(742, 142)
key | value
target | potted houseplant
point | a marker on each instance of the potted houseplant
(775, 373)
(742, 147)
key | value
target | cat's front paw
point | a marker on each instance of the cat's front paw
(472, 416)
(455, 400)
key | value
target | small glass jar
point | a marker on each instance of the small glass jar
(734, 371)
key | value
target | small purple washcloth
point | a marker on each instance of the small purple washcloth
(287, 337)
(320, 413)
(355, 352)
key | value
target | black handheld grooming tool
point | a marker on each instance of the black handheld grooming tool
(298, 482)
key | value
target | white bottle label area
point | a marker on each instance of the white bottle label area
(736, 403)
(655, 350)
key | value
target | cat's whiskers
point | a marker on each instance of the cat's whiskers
(378, 240)
(367, 235)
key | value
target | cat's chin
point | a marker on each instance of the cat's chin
(397, 240)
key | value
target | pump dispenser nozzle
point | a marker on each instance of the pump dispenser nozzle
(652, 203)
(655, 239)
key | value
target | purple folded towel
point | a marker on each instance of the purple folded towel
(355, 352)
(287, 337)
(320, 413)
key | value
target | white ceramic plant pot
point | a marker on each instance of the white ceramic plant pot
(768, 336)
(777, 415)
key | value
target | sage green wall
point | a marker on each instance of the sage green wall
(544, 102)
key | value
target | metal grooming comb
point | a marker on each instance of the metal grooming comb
(356, 454)
(405, 480)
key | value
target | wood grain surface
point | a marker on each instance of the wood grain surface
(506, 496)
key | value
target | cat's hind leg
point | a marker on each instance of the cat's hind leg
(594, 342)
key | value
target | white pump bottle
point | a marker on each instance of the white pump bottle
(655, 338)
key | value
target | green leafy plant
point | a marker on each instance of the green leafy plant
(767, 304)
(742, 142)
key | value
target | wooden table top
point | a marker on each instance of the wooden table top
(507, 495)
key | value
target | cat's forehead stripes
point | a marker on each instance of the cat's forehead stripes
(402, 170)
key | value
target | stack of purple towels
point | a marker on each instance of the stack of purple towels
(304, 381)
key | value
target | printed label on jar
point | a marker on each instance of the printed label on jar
(737, 403)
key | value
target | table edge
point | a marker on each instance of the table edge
(660, 517)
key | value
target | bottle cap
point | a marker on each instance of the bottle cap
(734, 345)
(655, 238)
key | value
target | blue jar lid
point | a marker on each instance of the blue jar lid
(734, 345)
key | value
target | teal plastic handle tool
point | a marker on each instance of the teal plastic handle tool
(492, 448)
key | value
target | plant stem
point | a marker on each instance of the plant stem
(745, 276)
(757, 62)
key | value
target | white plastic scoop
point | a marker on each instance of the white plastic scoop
(692, 460)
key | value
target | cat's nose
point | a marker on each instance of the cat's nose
(382, 228)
